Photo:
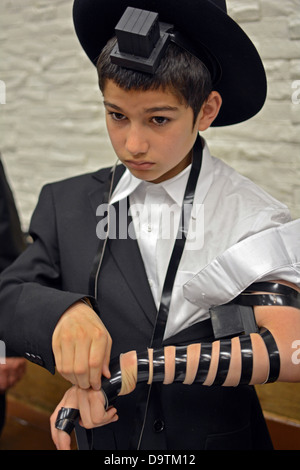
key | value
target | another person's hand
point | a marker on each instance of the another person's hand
(11, 372)
(91, 405)
(81, 346)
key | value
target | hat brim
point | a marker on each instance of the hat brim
(242, 85)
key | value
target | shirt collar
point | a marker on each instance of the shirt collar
(127, 184)
(175, 186)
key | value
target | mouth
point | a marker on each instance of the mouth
(138, 165)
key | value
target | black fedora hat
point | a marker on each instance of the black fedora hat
(242, 83)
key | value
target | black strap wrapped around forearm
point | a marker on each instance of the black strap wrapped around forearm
(247, 359)
(204, 362)
(112, 386)
(158, 365)
(180, 364)
(274, 356)
(224, 362)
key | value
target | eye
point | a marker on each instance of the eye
(117, 116)
(160, 120)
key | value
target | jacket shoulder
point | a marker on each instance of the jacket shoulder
(87, 181)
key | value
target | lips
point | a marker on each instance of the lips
(134, 165)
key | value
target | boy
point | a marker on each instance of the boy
(143, 292)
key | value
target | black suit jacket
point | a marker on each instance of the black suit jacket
(12, 241)
(12, 244)
(54, 272)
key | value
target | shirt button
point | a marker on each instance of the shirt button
(158, 425)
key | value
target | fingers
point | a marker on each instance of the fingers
(11, 372)
(61, 439)
(92, 409)
(82, 346)
(91, 405)
(99, 358)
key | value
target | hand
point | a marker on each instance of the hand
(11, 372)
(81, 346)
(91, 405)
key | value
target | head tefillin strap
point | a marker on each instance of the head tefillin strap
(143, 39)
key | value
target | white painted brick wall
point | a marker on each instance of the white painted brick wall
(52, 124)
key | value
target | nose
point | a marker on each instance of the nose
(136, 142)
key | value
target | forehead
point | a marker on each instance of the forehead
(143, 98)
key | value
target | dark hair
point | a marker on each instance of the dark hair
(179, 71)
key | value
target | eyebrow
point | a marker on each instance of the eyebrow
(161, 108)
(155, 109)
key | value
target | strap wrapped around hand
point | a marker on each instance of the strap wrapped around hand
(66, 419)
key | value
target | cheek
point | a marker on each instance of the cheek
(109, 128)
(115, 137)
(177, 147)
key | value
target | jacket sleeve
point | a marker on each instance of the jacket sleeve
(12, 241)
(31, 298)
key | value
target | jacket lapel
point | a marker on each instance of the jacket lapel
(124, 250)
(127, 256)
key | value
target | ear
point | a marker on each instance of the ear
(209, 111)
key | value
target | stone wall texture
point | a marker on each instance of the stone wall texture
(51, 117)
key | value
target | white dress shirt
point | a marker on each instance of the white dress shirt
(228, 210)
(155, 210)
